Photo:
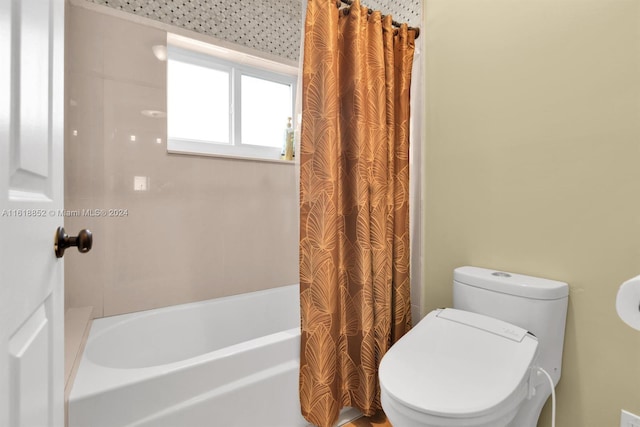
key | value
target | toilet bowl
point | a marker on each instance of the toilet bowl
(476, 365)
(457, 368)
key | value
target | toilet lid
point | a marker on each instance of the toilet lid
(457, 364)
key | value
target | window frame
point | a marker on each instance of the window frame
(236, 64)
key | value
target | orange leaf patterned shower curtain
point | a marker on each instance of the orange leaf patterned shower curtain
(354, 205)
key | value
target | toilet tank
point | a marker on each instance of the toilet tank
(535, 304)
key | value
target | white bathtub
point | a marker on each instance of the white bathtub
(225, 362)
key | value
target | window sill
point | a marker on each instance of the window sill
(176, 148)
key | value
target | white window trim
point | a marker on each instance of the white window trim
(236, 64)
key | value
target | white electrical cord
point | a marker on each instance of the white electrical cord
(553, 396)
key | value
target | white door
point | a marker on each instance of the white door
(31, 193)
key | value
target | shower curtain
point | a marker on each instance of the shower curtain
(354, 205)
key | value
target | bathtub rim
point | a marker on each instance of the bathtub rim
(113, 322)
(94, 378)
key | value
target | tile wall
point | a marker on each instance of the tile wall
(204, 227)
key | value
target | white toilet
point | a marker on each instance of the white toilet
(476, 365)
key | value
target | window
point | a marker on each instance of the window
(221, 102)
(198, 101)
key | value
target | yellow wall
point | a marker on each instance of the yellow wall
(532, 161)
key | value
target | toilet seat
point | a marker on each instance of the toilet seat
(455, 367)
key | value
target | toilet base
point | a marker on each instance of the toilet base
(529, 412)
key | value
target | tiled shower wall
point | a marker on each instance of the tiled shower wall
(270, 26)
(200, 228)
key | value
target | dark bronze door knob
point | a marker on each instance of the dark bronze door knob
(83, 241)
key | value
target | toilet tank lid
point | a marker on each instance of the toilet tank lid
(511, 283)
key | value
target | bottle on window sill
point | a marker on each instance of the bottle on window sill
(288, 142)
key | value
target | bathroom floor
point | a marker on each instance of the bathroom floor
(378, 420)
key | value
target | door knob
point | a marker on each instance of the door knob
(61, 241)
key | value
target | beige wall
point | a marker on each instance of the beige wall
(533, 166)
(206, 227)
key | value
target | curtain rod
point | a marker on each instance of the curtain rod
(370, 11)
